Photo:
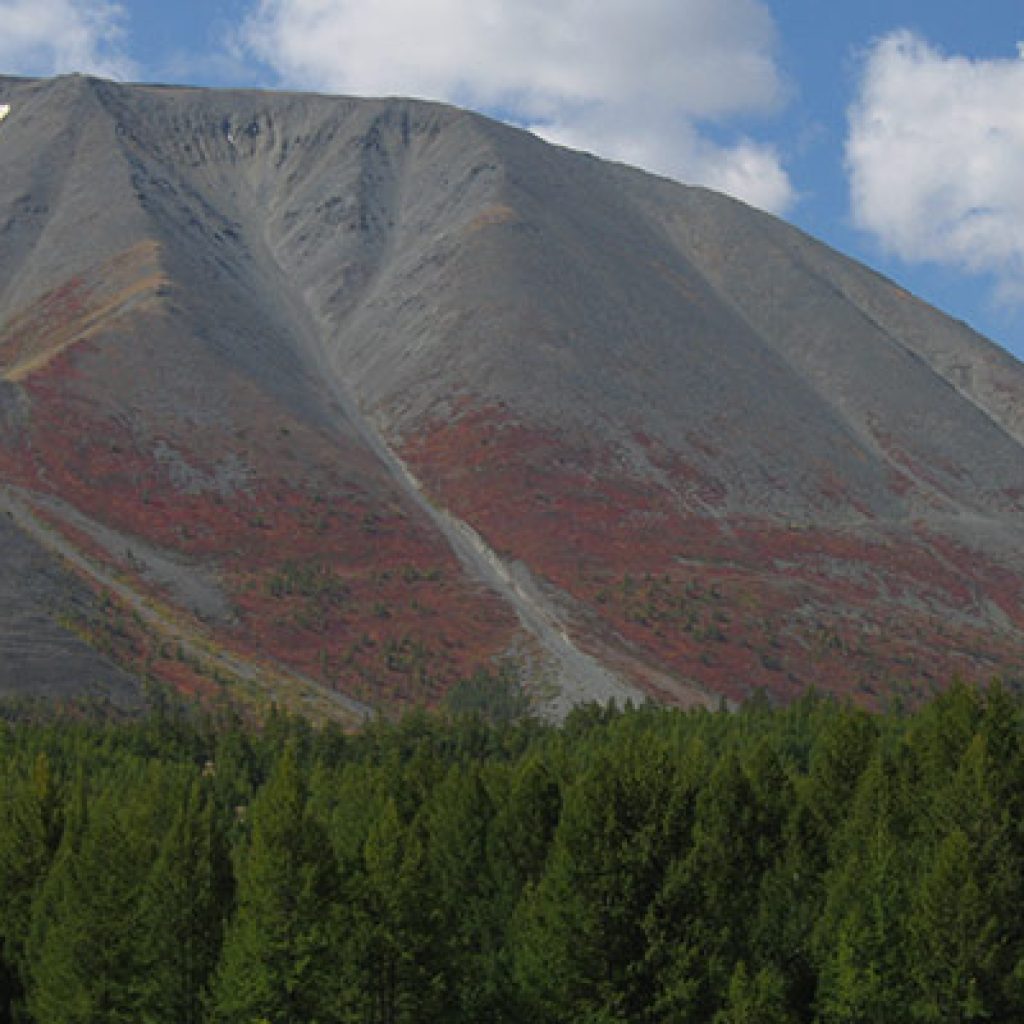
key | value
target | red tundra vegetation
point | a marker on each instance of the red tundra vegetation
(326, 567)
(731, 603)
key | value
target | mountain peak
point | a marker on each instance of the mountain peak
(404, 392)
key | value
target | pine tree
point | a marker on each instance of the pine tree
(470, 934)
(757, 999)
(734, 843)
(955, 938)
(29, 834)
(967, 945)
(182, 909)
(582, 945)
(393, 944)
(86, 942)
(862, 936)
(791, 891)
(277, 963)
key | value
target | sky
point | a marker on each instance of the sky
(890, 129)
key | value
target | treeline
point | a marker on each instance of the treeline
(812, 864)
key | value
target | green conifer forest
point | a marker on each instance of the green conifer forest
(808, 864)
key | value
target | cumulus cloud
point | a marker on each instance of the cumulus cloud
(44, 37)
(935, 154)
(635, 82)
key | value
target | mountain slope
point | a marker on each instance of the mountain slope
(376, 393)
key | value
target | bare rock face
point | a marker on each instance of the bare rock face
(365, 396)
(45, 620)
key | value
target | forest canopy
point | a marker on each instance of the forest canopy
(807, 864)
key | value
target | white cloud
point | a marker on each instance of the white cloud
(45, 37)
(936, 158)
(630, 81)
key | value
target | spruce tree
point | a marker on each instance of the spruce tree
(393, 944)
(755, 999)
(465, 911)
(955, 936)
(86, 942)
(29, 833)
(862, 939)
(581, 935)
(184, 902)
(277, 960)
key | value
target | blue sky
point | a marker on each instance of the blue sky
(823, 48)
(891, 129)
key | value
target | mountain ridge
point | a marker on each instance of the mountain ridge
(262, 315)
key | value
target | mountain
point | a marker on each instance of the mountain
(342, 401)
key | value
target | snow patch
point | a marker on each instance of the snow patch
(5, 109)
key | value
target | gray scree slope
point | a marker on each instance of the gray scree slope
(372, 263)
